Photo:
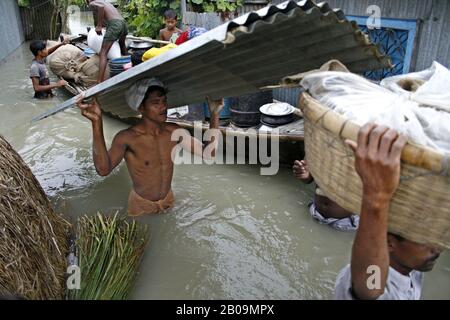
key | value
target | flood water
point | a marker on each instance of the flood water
(233, 234)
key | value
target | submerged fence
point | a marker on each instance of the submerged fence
(37, 19)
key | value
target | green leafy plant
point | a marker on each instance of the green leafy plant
(109, 250)
(145, 17)
(23, 3)
(221, 6)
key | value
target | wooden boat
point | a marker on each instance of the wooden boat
(235, 59)
(290, 136)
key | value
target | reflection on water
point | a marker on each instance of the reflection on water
(233, 234)
(78, 21)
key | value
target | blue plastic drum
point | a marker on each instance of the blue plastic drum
(224, 114)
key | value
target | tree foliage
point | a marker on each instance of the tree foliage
(145, 17)
(221, 6)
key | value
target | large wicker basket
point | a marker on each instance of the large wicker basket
(420, 209)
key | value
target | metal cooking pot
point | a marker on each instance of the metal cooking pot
(277, 114)
(275, 121)
(135, 45)
(245, 118)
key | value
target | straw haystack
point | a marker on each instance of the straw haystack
(33, 241)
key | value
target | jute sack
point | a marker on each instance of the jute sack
(65, 62)
(89, 71)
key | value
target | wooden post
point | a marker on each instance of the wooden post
(183, 13)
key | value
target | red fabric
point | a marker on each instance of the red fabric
(184, 36)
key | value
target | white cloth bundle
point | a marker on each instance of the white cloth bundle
(422, 115)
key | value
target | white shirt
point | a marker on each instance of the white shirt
(398, 286)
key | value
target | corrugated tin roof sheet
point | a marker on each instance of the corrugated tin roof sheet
(243, 55)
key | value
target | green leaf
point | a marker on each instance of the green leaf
(23, 3)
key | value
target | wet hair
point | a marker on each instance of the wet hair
(151, 89)
(36, 46)
(170, 14)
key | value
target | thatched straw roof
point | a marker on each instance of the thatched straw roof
(33, 238)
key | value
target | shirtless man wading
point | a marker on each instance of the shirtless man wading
(146, 146)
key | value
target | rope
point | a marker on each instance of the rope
(445, 163)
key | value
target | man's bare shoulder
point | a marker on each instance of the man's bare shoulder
(171, 127)
(125, 135)
(163, 32)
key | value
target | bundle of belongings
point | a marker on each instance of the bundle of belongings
(416, 104)
(70, 63)
(189, 34)
(154, 52)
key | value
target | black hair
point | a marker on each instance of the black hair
(170, 14)
(150, 89)
(396, 236)
(36, 46)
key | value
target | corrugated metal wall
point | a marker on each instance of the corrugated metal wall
(212, 20)
(433, 38)
(11, 34)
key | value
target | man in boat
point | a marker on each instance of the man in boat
(105, 14)
(39, 72)
(147, 146)
(383, 266)
(323, 209)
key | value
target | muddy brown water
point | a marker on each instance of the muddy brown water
(233, 234)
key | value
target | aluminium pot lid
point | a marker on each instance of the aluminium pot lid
(277, 109)
(141, 45)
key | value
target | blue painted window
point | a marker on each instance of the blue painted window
(396, 39)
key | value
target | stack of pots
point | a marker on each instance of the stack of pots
(119, 65)
(137, 50)
(245, 111)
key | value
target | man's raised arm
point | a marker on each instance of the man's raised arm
(377, 162)
(104, 161)
(208, 150)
